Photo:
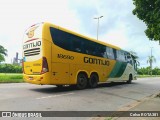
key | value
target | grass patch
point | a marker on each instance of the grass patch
(11, 78)
(146, 76)
(108, 118)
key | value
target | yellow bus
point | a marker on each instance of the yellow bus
(53, 55)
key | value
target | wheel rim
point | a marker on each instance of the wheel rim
(93, 81)
(82, 82)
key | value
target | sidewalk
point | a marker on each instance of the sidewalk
(152, 104)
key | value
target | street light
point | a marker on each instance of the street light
(98, 24)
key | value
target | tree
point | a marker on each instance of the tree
(3, 52)
(145, 71)
(150, 60)
(148, 11)
(156, 71)
(10, 68)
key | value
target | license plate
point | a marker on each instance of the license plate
(30, 78)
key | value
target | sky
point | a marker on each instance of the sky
(118, 26)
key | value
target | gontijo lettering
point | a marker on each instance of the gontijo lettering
(96, 61)
(31, 45)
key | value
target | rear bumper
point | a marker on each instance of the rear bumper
(37, 79)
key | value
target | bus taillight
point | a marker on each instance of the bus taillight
(44, 65)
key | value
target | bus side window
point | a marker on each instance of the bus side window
(129, 59)
(60, 38)
(76, 43)
(125, 55)
(110, 53)
(89, 47)
(105, 55)
(100, 50)
(85, 47)
(121, 56)
(115, 54)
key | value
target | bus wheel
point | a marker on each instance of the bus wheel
(81, 81)
(93, 81)
(130, 79)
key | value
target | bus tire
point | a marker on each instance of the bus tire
(93, 81)
(130, 79)
(81, 81)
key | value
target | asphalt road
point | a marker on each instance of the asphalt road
(107, 97)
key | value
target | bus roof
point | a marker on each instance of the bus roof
(80, 35)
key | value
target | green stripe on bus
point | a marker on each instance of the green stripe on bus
(118, 69)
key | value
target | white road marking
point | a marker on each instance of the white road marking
(55, 96)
